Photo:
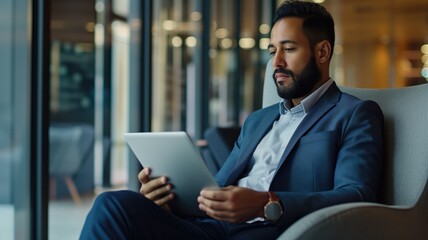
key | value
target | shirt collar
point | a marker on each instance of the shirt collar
(308, 102)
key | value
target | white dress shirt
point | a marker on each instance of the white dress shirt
(261, 169)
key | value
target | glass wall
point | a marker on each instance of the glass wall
(6, 122)
(176, 43)
(72, 170)
(20, 155)
(236, 62)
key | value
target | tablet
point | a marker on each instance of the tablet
(173, 154)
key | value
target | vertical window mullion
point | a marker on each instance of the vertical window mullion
(39, 150)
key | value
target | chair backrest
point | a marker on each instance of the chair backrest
(270, 95)
(405, 134)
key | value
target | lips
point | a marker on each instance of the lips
(281, 78)
(282, 75)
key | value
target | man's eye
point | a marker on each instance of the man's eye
(289, 49)
(272, 52)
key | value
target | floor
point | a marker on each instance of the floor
(7, 218)
(65, 219)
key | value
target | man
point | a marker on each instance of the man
(316, 148)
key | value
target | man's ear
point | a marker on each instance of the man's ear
(323, 51)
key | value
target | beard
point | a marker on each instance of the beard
(303, 83)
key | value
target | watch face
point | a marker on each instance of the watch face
(273, 211)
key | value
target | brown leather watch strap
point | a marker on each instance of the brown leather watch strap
(273, 196)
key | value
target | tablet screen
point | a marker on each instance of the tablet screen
(173, 154)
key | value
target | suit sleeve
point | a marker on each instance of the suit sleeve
(358, 167)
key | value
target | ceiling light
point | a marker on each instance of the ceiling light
(226, 43)
(221, 33)
(264, 28)
(338, 49)
(99, 6)
(191, 41)
(169, 25)
(247, 43)
(264, 43)
(176, 41)
(195, 16)
(424, 59)
(424, 49)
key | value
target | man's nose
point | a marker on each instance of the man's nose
(278, 60)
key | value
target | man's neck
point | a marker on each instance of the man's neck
(296, 101)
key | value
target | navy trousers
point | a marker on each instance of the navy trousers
(129, 215)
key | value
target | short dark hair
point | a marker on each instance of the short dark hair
(318, 24)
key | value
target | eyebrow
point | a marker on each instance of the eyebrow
(282, 43)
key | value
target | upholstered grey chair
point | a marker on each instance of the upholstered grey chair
(69, 147)
(403, 209)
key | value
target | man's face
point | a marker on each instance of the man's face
(296, 71)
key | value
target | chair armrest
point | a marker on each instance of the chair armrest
(360, 221)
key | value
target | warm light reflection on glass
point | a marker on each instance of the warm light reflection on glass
(226, 43)
(99, 34)
(338, 49)
(424, 59)
(195, 16)
(169, 25)
(90, 27)
(221, 33)
(247, 43)
(424, 49)
(191, 41)
(319, 1)
(176, 41)
(120, 29)
(264, 29)
(264, 43)
(99, 6)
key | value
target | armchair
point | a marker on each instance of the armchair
(70, 148)
(403, 209)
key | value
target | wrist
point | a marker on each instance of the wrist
(273, 210)
(264, 200)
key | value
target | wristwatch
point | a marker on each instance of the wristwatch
(273, 208)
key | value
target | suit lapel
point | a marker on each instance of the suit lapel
(250, 143)
(262, 129)
(324, 104)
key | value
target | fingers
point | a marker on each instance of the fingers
(223, 194)
(164, 200)
(207, 204)
(144, 175)
(215, 200)
(155, 189)
(156, 185)
(218, 210)
(231, 204)
(158, 190)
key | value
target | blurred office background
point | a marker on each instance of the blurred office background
(78, 74)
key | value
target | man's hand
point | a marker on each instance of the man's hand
(155, 189)
(233, 204)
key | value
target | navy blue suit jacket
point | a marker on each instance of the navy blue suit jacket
(335, 155)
